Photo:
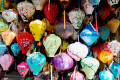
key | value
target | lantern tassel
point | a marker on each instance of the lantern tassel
(96, 22)
(64, 19)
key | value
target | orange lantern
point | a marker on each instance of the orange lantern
(105, 56)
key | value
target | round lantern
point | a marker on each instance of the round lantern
(106, 75)
(3, 27)
(37, 27)
(9, 15)
(62, 62)
(77, 51)
(90, 66)
(51, 11)
(51, 44)
(105, 56)
(36, 61)
(76, 17)
(26, 10)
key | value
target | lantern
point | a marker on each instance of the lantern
(26, 10)
(23, 68)
(15, 49)
(6, 61)
(51, 44)
(115, 69)
(62, 62)
(8, 36)
(87, 7)
(37, 27)
(90, 66)
(3, 27)
(63, 33)
(64, 45)
(36, 61)
(51, 11)
(3, 48)
(104, 32)
(106, 75)
(9, 15)
(114, 47)
(113, 24)
(94, 2)
(39, 4)
(77, 51)
(89, 35)
(76, 17)
(105, 56)
(25, 40)
(113, 2)
(64, 3)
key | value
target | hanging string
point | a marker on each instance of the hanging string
(96, 21)
(25, 5)
(79, 5)
(64, 18)
(3, 3)
(49, 5)
(15, 64)
(51, 68)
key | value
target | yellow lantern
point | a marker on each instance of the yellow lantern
(37, 27)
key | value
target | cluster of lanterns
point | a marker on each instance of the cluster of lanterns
(55, 40)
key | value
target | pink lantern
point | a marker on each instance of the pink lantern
(6, 61)
(23, 68)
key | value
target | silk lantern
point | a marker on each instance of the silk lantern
(77, 51)
(37, 27)
(25, 40)
(113, 2)
(62, 62)
(6, 61)
(51, 11)
(105, 56)
(3, 48)
(76, 17)
(76, 75)
(87, 7)
(15, 49)
(104, 32)
(3, 27)
(106, 75)
(63, 33)
(90, 66)
(114, 47)
(36, 61)
(39, 4)
(113, 24)
(8, 36)
(26, 10)
(23, 68)
(51, 44)
(89, 35)
(115, 69)
(9, 15)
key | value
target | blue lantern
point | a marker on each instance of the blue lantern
(3, 48)
(15, 49)
(89, 35)
(106, 75)
(115, 69)
(36, 61)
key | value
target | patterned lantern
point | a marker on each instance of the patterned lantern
(37, 27)
(90, 66)
(15, 49)
(77, 51)
(23, 68)
(51, 11)
(89, 35)
(36, 61)
(3, 27)
(26, 10)
(64, 33)
(76, 17)
(9, 15)
(62, 62)
(51, 44)
(3, 48)
(6, 61)
(24, 40)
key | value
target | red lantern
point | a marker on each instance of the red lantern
(51, 11)
(25, 40)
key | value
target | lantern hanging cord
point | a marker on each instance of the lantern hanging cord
(96, 21)
(25, 5)
(3, 3)
(64, 18)
(51, 68)
(79, 5)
